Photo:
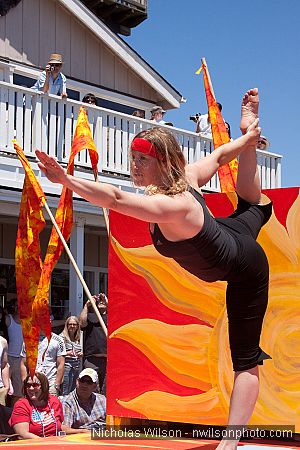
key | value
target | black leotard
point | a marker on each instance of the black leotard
(226, 249)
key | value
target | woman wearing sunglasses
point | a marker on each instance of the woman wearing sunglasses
(38, 414)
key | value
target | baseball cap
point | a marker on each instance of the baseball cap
(88, 372)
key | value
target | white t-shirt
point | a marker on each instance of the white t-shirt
(47, 357)
(204, 125)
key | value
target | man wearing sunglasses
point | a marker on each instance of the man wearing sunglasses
(83, 408)
(51, 80)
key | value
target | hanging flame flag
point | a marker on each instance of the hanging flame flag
(28, 261)
(228, 172)
(64, 217)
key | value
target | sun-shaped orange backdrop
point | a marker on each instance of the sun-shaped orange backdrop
(168, 351)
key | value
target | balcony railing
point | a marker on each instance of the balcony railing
(48, 122)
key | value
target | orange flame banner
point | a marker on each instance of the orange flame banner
(33, 279)
(64, 217)
(27, 254)
(228, 172)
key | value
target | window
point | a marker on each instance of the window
(21, 80)
(8, 288)
(59, 301)
(115, 106)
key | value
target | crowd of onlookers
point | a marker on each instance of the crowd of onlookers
(67, 391)
(52, 81)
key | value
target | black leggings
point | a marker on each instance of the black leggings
(248, 284)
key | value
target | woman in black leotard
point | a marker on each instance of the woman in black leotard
(182, 228)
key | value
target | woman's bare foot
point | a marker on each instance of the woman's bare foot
(250, 104)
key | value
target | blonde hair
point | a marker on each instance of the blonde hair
(172, 165)
(65, 332)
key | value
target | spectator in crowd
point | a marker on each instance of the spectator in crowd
(263, 143)
(157, 114)
(4, 371)
(203, 123)
(138, 113)
(94, 339)
(51, 361)
(15, 342)
(228, 129)
(90, 98)
(84, 408)
(51, 80)
(71, 337)
(38, 414)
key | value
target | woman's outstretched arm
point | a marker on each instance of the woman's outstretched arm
(202, 171)
(157, 208)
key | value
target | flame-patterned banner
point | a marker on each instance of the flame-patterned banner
(28, 260)
(33, 279)
(228, 172)
(64, 216)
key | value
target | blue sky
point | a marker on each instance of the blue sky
(246, 44)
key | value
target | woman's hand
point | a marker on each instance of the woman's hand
(50, 167)
(252, 134)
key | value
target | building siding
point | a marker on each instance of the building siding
(35, 28)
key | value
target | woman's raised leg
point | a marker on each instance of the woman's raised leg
(248, 182)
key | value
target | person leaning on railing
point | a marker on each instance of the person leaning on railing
(51, 80)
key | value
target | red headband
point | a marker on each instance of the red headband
(146, 147)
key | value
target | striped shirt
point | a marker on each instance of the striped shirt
(87, 415)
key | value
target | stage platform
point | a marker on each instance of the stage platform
(84, 441)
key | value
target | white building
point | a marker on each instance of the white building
(95, 60)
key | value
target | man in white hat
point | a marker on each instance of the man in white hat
(263, 143)
(51, 80)
(84, 408)
(157, 113)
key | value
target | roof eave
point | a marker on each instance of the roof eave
(124, 51)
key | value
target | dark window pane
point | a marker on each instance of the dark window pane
(21, 80)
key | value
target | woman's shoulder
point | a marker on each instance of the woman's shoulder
(21, 406)
(22, 401)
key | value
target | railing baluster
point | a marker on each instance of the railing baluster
(104, 142)
(68, 131)
(60, 130)
(36, 122)
(98, 139)
(52, 129)
(124, 146)
(11, 121)
(118, 146)
(44, 124)
(111, 143)
(3, 118)
(18, 127)
(27, 123)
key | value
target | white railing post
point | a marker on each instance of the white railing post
(36, 122)
(3, 118)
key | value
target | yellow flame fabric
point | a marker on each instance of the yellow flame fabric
(64, 217)
(228, 172)
(27, 257)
